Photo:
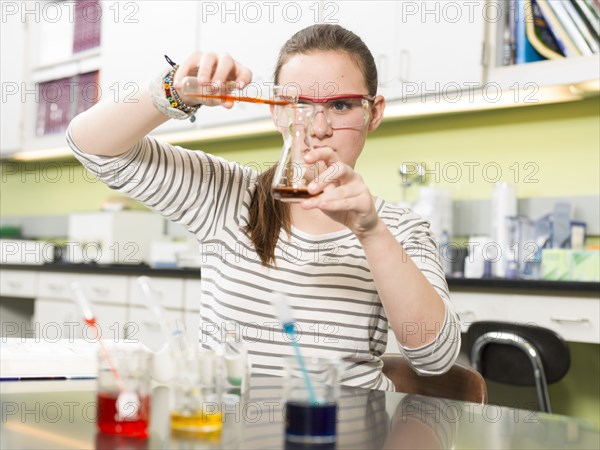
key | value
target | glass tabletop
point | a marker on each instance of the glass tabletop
(62, 414)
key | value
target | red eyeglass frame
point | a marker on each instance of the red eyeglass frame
(369, 98)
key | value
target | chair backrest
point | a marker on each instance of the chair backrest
(459, 383)
(510, 364)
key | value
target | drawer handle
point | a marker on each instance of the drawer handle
(569, 320)
(55, 287)
(100, 290)
(15, 284)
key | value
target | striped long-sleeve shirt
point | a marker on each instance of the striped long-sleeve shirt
(326, 277)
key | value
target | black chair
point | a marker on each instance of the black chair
(521, 355)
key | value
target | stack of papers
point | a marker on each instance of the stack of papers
(38, 359)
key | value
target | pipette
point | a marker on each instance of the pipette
(90, 320)
(192, 87)
(287, 322)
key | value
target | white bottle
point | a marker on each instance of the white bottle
(504, 206)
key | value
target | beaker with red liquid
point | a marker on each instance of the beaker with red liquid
(124, 403)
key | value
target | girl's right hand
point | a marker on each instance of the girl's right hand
(213, 71)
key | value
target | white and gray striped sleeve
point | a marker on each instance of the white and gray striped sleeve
(438, 356)
(187, 187)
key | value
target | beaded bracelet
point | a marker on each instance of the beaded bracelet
(173, 97)
(166, 99)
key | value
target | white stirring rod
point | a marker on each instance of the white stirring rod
(176, 337)
(287, 320)
(153, 304)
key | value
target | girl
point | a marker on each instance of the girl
(348, 262)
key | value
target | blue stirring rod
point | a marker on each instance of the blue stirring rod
(285, 315)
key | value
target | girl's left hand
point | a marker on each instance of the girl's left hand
(344, 195)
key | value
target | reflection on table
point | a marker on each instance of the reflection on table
(61, 414)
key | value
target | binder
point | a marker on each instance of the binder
(525, 51)
(539, 33)
(592, 20)
(570, 27)
(583, 29)
(563, 40)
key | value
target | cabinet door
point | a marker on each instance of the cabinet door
(61, 319)
(475, 306)
(440, 47)
(107, 289)
(168, 292)
(12, 39)
(56, 285)
(252, 33)
(56, 309)
(135, 36)
(375, 23)
(575, 319)
(18, 283)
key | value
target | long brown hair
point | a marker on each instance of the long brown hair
(268, 216)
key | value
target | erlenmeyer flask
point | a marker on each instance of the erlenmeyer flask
(293, 175)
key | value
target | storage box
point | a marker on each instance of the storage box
(112, 237)
(570, 265)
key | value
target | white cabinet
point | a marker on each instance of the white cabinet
(12, 42)
(376, 23)
(476, 306)
(440, 47)
(252, 33)
(168, 292)
(55, 308)
(575, 319)
(135, 38)
(109, 289)
(532, 76)
(116, 301)
(55, 319)
(18, 283)
(56, 285)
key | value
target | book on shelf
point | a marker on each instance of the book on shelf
(592, 20)
(539, 33)
(570, 26)
(550, 29)
(580, 22)
(525, 52)
(562, 38)
(509, 38)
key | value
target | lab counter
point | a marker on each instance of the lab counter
(495, 284)
(61, 414)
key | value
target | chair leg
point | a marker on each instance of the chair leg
(541, 384)
(541, 387)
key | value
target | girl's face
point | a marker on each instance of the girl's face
(327, 73)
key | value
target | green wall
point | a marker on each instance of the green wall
(548, 150)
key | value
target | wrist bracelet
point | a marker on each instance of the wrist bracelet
(166, 99)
